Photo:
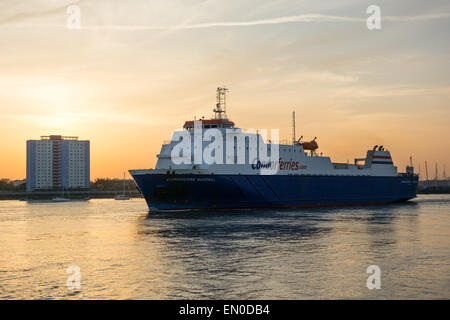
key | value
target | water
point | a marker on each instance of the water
(124, 253)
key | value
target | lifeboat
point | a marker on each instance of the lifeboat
(311, 145)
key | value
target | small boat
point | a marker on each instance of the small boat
(59, 199)
(122, 196)
(62, 198)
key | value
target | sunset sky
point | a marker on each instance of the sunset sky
(136, 70)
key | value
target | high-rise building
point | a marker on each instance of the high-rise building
(57, 162)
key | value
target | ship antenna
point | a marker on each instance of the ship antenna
(220, 111)
(293, 127)
(426, 169)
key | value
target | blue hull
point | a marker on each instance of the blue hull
(189, 191)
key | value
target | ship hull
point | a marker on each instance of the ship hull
(204, 191)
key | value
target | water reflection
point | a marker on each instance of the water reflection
(220, 253)
(224, 253)
(275, 254)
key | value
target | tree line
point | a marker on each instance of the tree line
(105, 184)
(113, 184)
(8, 185)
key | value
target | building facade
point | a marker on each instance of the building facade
(58, 162)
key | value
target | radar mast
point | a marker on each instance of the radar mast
(220, 111)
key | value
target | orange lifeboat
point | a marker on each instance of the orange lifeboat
(311, 145)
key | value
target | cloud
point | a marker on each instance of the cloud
(65, 119)
(424, 17)
(303, 18)
(279, 20)
(270, 21)
(321, 77)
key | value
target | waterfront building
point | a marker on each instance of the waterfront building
(58, 162)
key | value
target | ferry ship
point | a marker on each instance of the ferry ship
(299, 177)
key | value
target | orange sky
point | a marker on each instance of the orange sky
(127, 89)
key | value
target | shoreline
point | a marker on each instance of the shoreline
(72, 195)
(96, 194)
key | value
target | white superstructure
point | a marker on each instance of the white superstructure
(247, 152)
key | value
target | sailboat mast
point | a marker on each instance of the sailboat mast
(419, 171)
(436, 177)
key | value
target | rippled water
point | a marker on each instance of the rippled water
(125, 253)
